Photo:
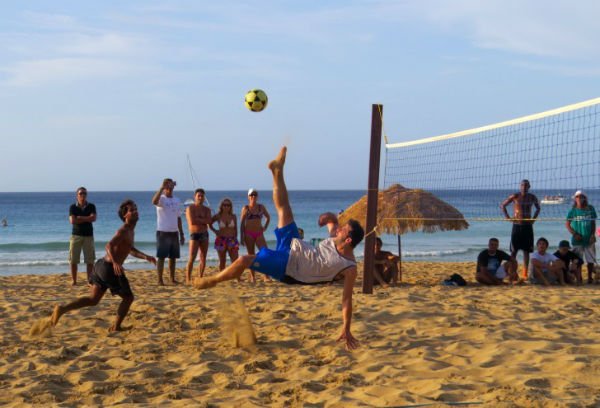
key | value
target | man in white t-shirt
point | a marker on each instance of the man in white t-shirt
(168, 225)
(545, 268)
(294, 261)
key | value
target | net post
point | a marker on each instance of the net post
(374, 164)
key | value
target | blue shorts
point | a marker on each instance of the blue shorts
(167, 245)
(274, 262)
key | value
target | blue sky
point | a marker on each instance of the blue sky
(113, 95)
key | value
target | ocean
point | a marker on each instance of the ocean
(36, 239)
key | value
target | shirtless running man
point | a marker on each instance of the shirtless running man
(108, 271)
(294, 261)
(522, 232)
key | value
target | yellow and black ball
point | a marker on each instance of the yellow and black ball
(256, 100)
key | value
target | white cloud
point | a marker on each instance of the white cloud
(36, 72)
(561, 69)
(79, 121)
(560, 28)
(104, 44)
(61, 49)
(50, 20)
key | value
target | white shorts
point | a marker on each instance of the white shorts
(500, 272)
(587, 253)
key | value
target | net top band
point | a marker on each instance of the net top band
(535, 116)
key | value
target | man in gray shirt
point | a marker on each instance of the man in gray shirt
(293, 261)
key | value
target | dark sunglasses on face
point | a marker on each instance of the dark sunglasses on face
(82, 193)
(226, 205)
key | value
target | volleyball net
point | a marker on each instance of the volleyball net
(558, 151)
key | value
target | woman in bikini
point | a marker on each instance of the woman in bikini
(198, 217)
(226, 241)
(251, 226)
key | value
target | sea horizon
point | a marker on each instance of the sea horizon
(38, 232)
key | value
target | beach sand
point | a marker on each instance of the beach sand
(421, 343)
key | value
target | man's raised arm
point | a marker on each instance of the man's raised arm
(331, 220)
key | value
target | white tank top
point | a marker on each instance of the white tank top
(311, 264)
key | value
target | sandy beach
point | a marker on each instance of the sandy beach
(421, 343)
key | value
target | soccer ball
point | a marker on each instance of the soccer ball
(256, 100)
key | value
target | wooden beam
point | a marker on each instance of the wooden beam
(373, 189)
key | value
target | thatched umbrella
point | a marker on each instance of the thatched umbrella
(400, 210)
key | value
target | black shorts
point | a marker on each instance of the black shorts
(199, 236)
(167, 245)
(521, 238)
(385, 272)
(104, 276)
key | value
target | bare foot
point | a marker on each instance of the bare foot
(115, 328)
(74, 283)
(205, 283)
(174, 282)
(279, 161)
(56, 314)
(161, 283)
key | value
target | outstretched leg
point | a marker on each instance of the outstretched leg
(280, 193)
(96, 293)
(233, 271)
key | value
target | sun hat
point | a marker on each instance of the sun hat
(252, 191)
(564, 244)
(578, 193)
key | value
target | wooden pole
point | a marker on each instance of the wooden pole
(399, 258)
(374, 163)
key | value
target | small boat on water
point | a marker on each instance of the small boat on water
(553, 199)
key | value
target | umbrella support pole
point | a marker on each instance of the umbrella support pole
(399, 259)
(372, 193)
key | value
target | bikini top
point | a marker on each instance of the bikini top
(230, 224)
(254, 216)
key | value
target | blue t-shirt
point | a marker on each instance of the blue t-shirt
(581, 222)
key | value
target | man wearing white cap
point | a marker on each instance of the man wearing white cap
(581, 223)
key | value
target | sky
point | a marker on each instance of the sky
(115, 95)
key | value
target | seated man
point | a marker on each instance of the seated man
(295, 261)
(386, 266)
(493, 265)
(572, 261)
(544, 267)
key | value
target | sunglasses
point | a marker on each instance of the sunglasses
(253, 195)
(82, 193)
(226, 205)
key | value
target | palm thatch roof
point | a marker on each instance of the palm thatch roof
(400, 210)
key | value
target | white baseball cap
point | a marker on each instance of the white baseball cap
(578, 193)
(252, 191)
